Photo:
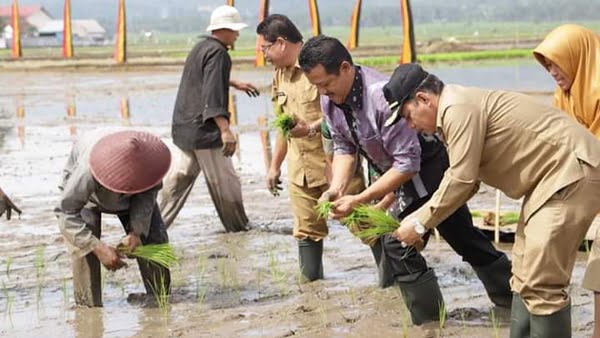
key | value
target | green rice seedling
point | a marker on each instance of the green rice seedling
(510, 217)
(103, 278)
(323, 209)
(161, 293)
(258, 281)
(380, 222)
(65, 290)
(404, 320)
(6, 296)
(443, 315)
(39, 261)
(121, 287)
(323, 315)
(160, 254)
(284, 123)
(462, 321)
(495, 323)
(476, 214)
(201, 289)
(222, 271)
(352, 296)
(9, 260)
(586, 245)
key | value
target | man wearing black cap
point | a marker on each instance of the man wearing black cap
(410, 164)
(526, 149)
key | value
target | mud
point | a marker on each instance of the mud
(227, 285)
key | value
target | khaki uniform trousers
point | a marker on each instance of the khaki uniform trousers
(546, 247)
(223, 185)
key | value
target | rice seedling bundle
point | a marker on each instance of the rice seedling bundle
(365, 221)
(161, 254)
(283, 122)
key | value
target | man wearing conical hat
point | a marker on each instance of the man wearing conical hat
(116, 173)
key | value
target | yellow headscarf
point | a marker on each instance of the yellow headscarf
(576, 51)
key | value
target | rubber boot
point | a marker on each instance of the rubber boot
(384, 273)
(311, 259)
(556, 325)
(520, 318)
(495, 278)
(423, 298)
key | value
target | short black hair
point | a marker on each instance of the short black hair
(279, 25)
(431, 84)
(325, 51)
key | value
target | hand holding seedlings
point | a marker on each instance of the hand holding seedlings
(132, 241)
(109, 257)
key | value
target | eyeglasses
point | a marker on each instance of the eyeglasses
(265, 48)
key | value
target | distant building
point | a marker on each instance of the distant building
(32, 18)
(84, 31)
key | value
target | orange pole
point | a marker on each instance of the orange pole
(67, 31)
(265, 139)
(355, 26)
(121, 40)
(17, 52)
(315, 21)
(263, 12)
(409, 53)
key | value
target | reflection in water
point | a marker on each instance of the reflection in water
(71, 113)
(21, 124)
(265, 140)
(89, 322)
(125, 114)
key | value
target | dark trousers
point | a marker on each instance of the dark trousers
(398, 264)
(86, 270)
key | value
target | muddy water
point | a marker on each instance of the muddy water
(227, 284)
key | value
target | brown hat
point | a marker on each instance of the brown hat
(129, 161)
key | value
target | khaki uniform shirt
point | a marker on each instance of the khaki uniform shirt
(509, 141)
(298, 97)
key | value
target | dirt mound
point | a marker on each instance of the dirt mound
(445, 46)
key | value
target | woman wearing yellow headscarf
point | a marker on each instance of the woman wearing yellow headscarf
(571, 54)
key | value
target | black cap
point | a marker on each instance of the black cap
(403, 82)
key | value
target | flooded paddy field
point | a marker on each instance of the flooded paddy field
(226, 285)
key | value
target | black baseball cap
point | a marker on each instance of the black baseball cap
(403, 82)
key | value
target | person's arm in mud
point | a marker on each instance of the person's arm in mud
(75, 195)
(274, 174)
(7, 205)
(246, 87)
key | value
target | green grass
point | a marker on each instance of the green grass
(161, 254)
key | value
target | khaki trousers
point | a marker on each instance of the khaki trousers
(307, 223)
(591, 279)
(545, 248)
(223, 185)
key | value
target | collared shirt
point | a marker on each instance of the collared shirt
(298, 97)
(80, 189)
(203, 95)
(386, 147)
(511, 142)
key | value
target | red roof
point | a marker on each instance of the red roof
(24, 11)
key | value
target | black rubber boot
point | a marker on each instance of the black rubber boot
(520, 318)
(423, 298)
(311, 259)
(495, 278)
(384, 272)
(556, 325)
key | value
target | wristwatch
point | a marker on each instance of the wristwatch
(311, 131)
(419, 228)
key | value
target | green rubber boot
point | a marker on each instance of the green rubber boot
(311, 259)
